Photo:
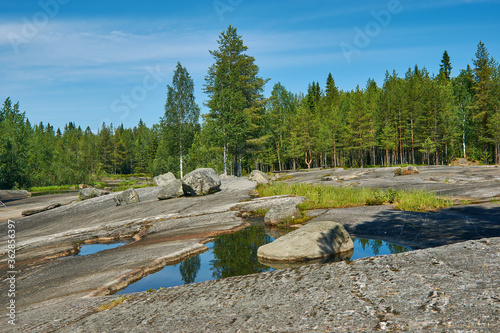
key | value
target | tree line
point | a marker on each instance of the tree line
(417, 118)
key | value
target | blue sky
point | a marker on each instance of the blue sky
(91, 61)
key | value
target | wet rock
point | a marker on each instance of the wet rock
(88, 193)
(172, 189)
(259, 177)
(201, 182)
(162, 180)
(127, 197)
(314, 241)
(279, 213)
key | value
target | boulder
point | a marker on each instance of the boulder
(172, 189)
(127, 197)
(411, 168)
(259, 177)
(281, 212)
(201, 182)
(313, 241)
(7, 195)
(88, 193)
(162, 180)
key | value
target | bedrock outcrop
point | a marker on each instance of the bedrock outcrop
(453, 288)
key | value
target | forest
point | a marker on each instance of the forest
(414, 118)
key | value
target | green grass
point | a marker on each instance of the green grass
(123, 187)
(51, 188)
(321, 196)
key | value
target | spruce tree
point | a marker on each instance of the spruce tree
(445, 67)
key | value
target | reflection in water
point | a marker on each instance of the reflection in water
(236, 254)
(189, 268)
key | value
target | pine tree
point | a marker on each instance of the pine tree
(234, 88)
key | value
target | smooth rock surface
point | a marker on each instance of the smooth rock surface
(200, 182)
(7, 195)
(172, 189)
(313, 241)
(454, 288)
(279, 213)
(127, 197)
(259, 177)
(162, 180)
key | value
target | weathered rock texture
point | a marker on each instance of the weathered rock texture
(313, 241)
(172, 189)
(266, 203)
(34, 211)
(259, 177)
(127, 197)
(454, 288)
(162, 180)
(282, 212)
(201, 182)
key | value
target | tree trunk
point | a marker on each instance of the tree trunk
(225, 159)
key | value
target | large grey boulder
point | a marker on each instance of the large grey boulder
(88, 193)
(313, 241)
(279, 213)
(127, 197)
(172, 189)
(201, 182)
(162, 180)
(259, 177)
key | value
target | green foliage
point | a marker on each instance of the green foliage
(234, 92)
(320, 196)
(420, 118)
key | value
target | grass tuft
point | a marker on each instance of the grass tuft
(321, 196)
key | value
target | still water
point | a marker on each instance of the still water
(87, 249)
(236, 254)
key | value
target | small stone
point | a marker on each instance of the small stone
(259, 177)
(88, 193)
(287, 210)
(127, 197)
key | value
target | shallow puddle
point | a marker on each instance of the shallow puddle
(236, 254)
(87, 249)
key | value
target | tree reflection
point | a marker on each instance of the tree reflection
(236, 254)
(189, 269)
(376, 245)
